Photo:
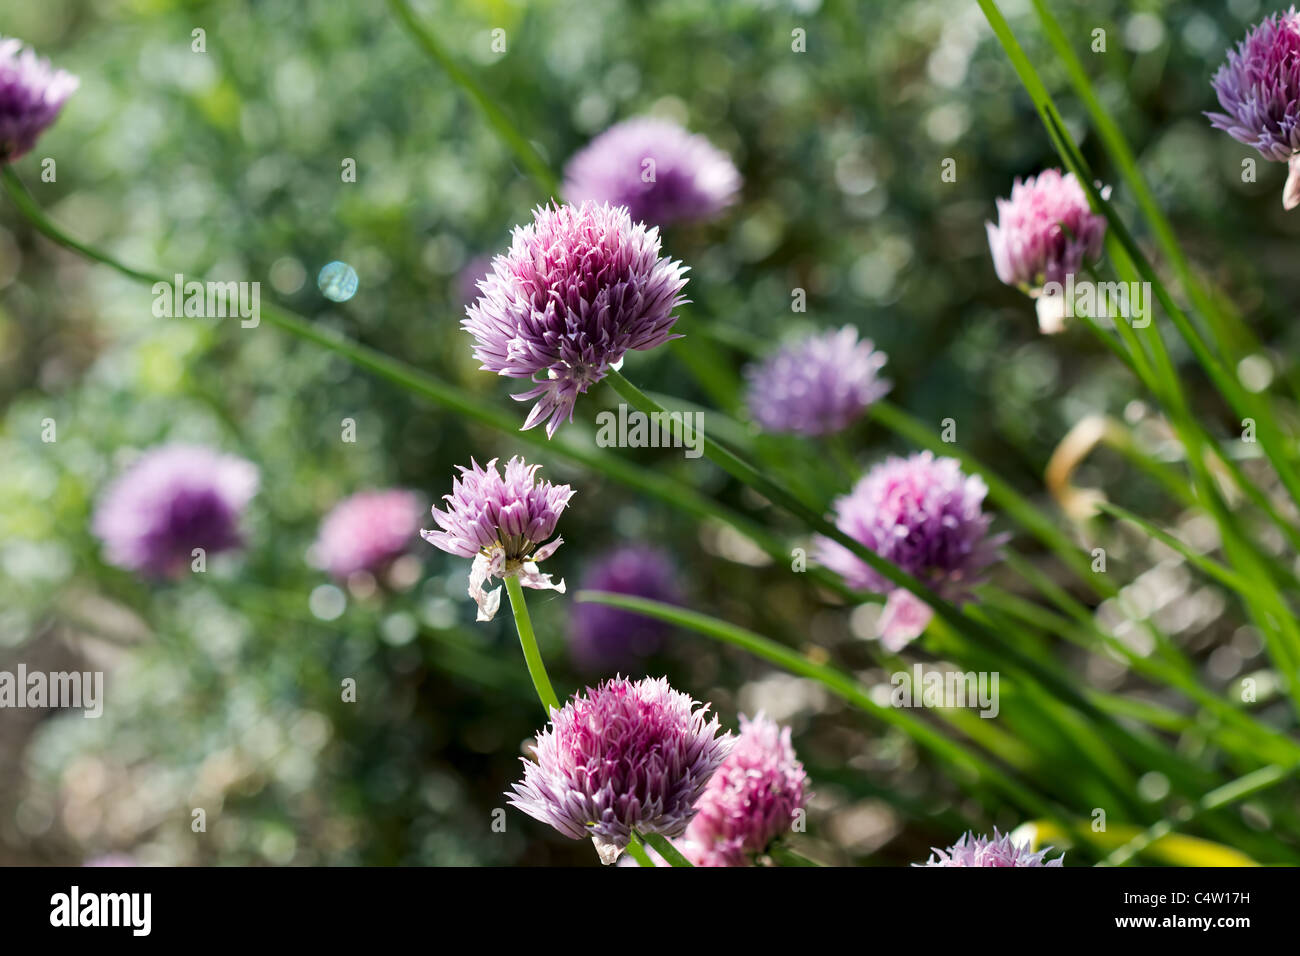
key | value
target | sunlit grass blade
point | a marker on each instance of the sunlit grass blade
(496, 116)
(1209, 566)
(1196, 853)
(1173, 849)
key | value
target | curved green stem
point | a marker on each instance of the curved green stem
(1239, 789)
(524, 151)
(666, 849)
(637, 851)
(528, 641)
(784, 856)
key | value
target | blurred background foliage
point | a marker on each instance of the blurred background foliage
(224, 689)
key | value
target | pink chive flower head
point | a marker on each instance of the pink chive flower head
(504, 524)
(31, 96)
(816, 386)
(603, 637)
(1045, 231)
(367, 530)
(578, 288)
(923, 515)
(973, 850)
(174, 499)
(627, 755)
(751, 800)
(1259, 90)
(660, 172)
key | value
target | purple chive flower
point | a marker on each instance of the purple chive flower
(817, 385)
(1045, 232)
(924, 516)
(578, 288)
(604, 638)
(973, 850)
(366, 531)
(628, 755)
(174, 499)
(31, 96)
(1259, 90)
(502, 524)
(659, 171)
(750, 801)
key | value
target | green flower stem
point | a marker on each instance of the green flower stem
(524, 151)
(784, 856)
(667, 850)
(637, 851)
(528, 641)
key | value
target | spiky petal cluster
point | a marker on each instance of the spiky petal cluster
(659, 171)
(31, 96)
(503, 524)
(603, 637)
(627, 755)
(1259, 90)
(367, 530)
(174, 499)
(1045, 232)
(973, 850)
(578, 288)
(818, 385)
(923, 515)
(751, 800)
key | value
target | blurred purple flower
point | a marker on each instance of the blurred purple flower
(1259, 90)
(973, 850)
(628, 755)
(31, 96)
(579, 287)
(502, 524)
(818, 385)
(603, 637)
(659, 171)
(923, 515)
(750, 801)
(174, 499)
(367, 530)
(111, 859)
(1045, 232)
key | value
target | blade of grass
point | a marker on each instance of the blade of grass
(1237, 790)
(495, 115)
